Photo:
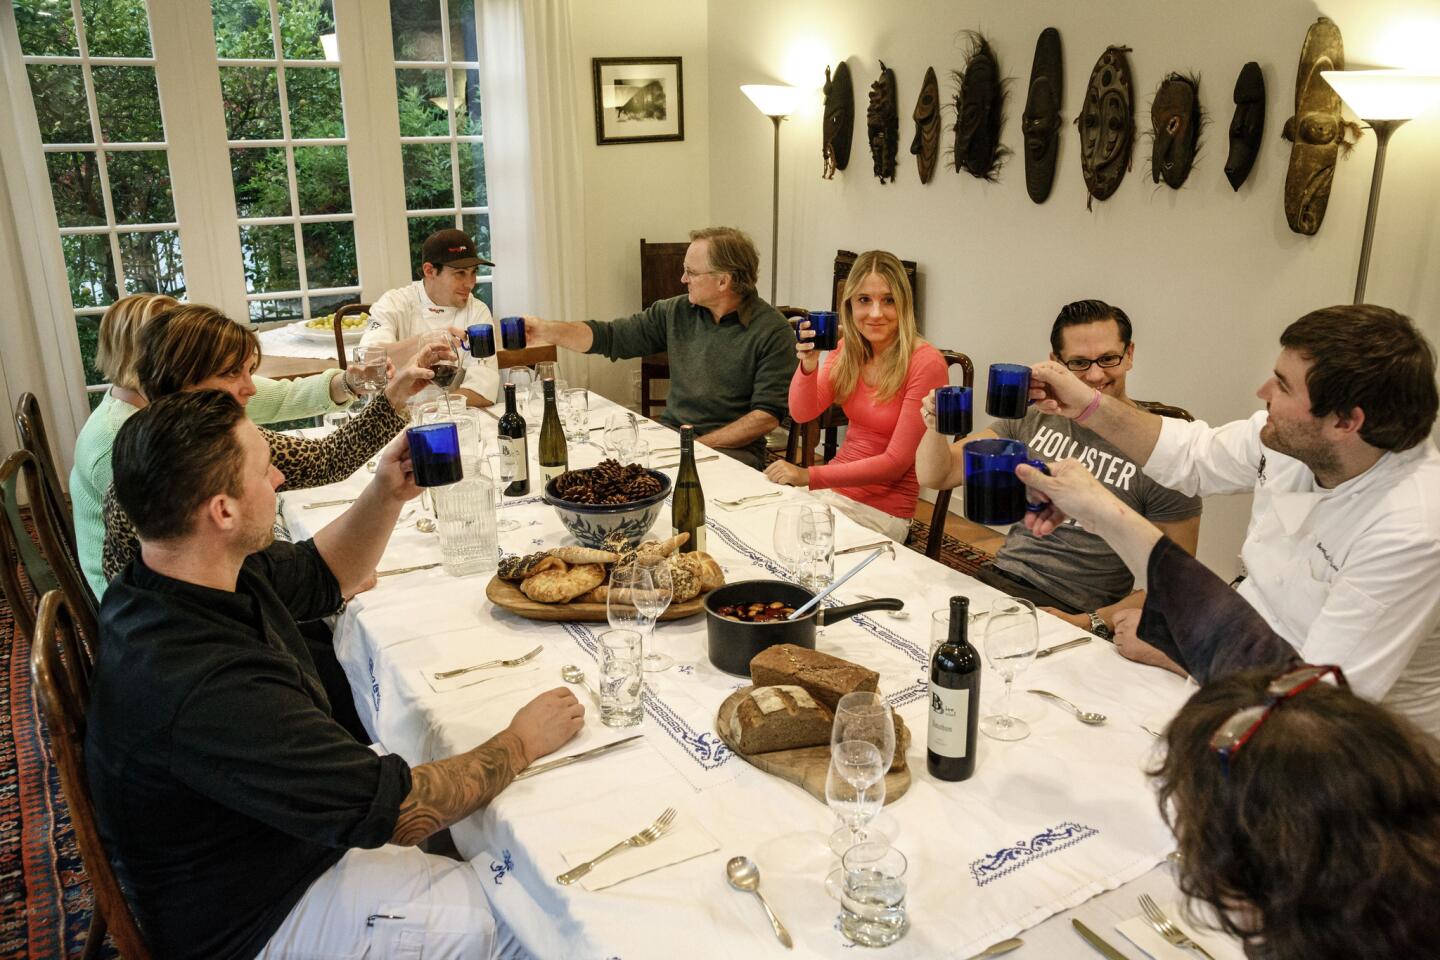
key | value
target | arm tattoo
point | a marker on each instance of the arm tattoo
(446, 791)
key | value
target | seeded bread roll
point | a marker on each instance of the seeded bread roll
(827, 678)
(779, 718)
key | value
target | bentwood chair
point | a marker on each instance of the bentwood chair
(30, 426)
(660, 267)
(62, 672)
(349, 310)
(20, 557)
(942, 497)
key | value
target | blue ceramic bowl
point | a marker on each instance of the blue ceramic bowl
(591, 524)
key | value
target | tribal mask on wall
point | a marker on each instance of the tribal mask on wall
(979, 109)
(882, 124)
(1040, 123)
(926, 145)
(1316, 129)
(1175, 115)
(839, 123)
(1247, 125)
(1107, 125)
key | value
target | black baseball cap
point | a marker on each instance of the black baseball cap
(452, 248)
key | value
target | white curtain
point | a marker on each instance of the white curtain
(532, 163)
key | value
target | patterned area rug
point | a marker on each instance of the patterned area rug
(45, 900)
(953, 552)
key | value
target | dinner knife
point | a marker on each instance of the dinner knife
(583, 755)
(391, 573)
(1093, 938)
(1063, 646)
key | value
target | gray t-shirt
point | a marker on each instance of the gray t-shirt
(1071, 564)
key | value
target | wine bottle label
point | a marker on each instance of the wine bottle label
(949, 713)
(697, 542)
(550, 473)
(513, 450)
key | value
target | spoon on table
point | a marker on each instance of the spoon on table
(573, 674)
(745, 876)
(1084, 716)
(996, 949)
(892, 614)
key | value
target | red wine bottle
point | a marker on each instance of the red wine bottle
(954, 700)
(513, 446)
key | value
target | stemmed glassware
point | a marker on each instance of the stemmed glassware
(622, 432)
(787, 534)
(445, 360)
(637, 597)
(502, 471)
(861, 717)
(370, 373)
(855, 792)
(1012, 636)
(653, 602)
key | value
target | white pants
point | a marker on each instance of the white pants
(896, 528)
(393, 902)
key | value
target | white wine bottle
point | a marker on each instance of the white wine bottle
(513, 446)
(554, 457)
(687, 506)
(954, 700)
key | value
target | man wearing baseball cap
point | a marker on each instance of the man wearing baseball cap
(441, 299)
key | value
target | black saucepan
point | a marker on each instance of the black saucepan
(733, 643)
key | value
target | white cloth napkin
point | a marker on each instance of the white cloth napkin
(1139, 932)
(685, 840)
(473, 677)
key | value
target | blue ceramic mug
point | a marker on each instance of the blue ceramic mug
(993, 494)
(512, 333)
(826, 327)
(952, 411)
(1008, 393)
(479, 339)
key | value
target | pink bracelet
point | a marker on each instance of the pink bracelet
(1091, 408)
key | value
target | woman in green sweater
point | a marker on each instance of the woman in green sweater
(117, 358)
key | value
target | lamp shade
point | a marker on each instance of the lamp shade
(773, 100)
(1385, 94)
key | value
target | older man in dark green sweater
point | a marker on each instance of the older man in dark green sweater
(731, 353)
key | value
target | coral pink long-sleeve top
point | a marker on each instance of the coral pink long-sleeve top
(876, 463)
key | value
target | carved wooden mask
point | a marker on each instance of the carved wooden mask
(978, 112)
(926, 145)
(1316, 129)
(1248, 124)
(882, 124)
(1175, 115)
(1107, 124)
(1040, 122)
(838, 125)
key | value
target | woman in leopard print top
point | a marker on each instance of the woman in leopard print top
(198, 348)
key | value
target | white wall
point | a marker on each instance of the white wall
(1209, 276)
(658, 191)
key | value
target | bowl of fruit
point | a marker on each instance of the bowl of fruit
(322, 329)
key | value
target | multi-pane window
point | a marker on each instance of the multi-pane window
(92, 77)
(437, 89)
(285, 123)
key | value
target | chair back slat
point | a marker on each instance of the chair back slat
(61, 669)
(349, 310)
(942, 497)
(18, 551)
(30, 426)
(63, 569)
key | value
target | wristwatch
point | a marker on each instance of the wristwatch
(1099, 627)
(345, 384)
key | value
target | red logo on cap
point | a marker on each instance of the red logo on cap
(459, 249)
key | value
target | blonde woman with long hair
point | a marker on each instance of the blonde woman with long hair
(879, 374)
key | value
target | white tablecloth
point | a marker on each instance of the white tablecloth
(287, 341)
(1045, 824)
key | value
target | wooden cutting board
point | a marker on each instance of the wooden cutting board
(807, 767)
(505, 594)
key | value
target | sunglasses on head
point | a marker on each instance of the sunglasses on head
(1236, 731)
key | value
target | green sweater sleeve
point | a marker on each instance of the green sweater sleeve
(774, 371)
(276, 401)
(637, 335)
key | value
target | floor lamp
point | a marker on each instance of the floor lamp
(1383, 99)
(777, 103)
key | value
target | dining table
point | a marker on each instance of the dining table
(1058, 826)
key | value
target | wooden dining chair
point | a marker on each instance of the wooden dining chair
(349, 310)
(63, 567)
(21, 562)
(62, 671)
(660, 267)
(30, 426)
(942, 497)
(528, 356)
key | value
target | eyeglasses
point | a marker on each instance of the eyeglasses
(1080, 364)
(688, 274)
(1242, 724)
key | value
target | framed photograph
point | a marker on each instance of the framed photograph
(638, 99)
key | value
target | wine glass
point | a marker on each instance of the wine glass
(370, 372)
(653, 601)
(548, 369)
(787, 534)
(855, 793)
(865, 716)
(1012, 636)
(621, 435)
(817, 546)
(621, 610)
(502, 471)
(445, 359)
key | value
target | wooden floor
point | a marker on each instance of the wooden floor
(981, 537)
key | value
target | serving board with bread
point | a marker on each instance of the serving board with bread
(781, 722)
(505, 594)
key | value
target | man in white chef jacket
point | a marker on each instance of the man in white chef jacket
(1342, 556)
(441, 299)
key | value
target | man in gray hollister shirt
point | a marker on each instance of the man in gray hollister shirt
(1072, 572)
(731, 353)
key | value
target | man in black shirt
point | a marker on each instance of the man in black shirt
(241, 818)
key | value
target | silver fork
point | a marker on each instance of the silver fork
(751, 499)
(644, 838)
(1166, 927)
(513, 662)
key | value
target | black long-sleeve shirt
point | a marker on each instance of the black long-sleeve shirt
(222, 786)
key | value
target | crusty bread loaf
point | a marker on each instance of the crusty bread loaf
(827, 678)
(779, 718)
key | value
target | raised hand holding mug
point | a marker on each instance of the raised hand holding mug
(994, 495)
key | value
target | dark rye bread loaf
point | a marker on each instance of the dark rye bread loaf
(827, 678)
(779, 718)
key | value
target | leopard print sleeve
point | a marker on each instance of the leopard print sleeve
(122, 544)
(308, 462)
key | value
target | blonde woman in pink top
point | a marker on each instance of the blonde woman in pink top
(880, 372)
